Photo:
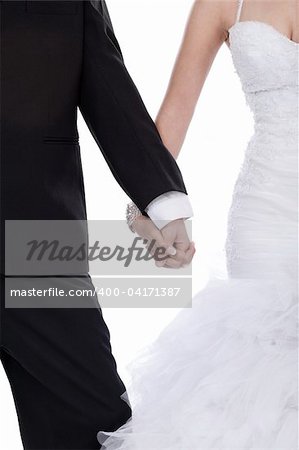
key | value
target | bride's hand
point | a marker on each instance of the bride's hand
(178, 250)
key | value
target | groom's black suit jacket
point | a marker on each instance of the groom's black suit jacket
(57, 56)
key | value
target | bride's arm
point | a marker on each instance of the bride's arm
(205, 32)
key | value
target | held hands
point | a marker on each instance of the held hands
(173, 239)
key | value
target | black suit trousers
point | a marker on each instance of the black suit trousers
(62, 374)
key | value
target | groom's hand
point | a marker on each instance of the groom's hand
(173, 239)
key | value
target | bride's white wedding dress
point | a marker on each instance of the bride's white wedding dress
(224, 374)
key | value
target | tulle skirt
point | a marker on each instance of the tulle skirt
(222, 375)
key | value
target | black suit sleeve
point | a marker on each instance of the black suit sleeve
(117, 118)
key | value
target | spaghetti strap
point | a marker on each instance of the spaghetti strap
(240, 3)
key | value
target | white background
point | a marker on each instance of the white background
(150, 32)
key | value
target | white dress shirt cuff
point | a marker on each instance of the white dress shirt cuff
(168, 207)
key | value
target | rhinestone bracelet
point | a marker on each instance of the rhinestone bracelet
(132, 212)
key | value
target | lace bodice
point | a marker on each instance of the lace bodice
(262, 226)
(263, 57)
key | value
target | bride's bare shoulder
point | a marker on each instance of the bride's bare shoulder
(222, 11)
(229, 12)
